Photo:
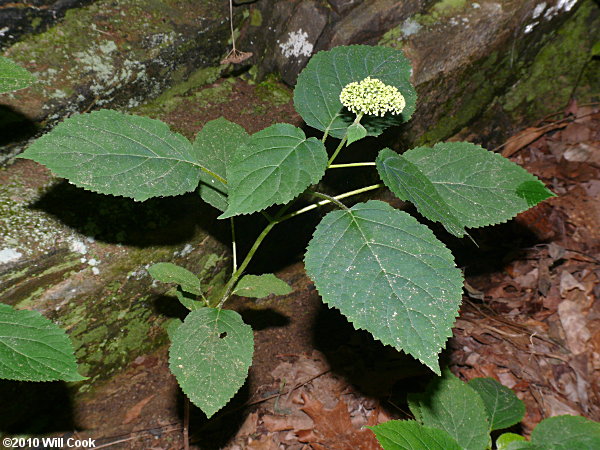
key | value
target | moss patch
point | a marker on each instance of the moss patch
(97, 50)
(547, 85)
(539, 87)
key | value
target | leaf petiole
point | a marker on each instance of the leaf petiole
(342, 142)
(358, 164)
(326, 201)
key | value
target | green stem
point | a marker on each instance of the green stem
(337, 150)
(342, 142)
(329, 199)
(324, 202)
(358, 164)
(236, 275)
(233, 245)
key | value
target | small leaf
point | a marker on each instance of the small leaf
(259, 286)
(12, 76)
(451, 405)
(595, 49)
(114, 153)
(317, 92)
(188, 301)
(480, 187)
(410, 435)
(504, 409)
(505, 440)
(389, 275)
(210, 355)
(567, 433)
(172, 273)
(356, 132)
(32, 348)
(276, 165)
(215, 147)
(407, 182)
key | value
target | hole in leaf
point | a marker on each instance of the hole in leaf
(223, 335)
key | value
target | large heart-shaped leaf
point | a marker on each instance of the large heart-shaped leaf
(479, 187)
(277, 164)
(389, 275)
(32, 348)
(317, 93)
(215, 147)
(114, 153)
(210, 354)
(452, 406)
(13, 76)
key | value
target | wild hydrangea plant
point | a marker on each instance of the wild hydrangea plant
(385, 271)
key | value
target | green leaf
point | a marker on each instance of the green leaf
(410, 435)
(317, 92)
(171, 326)
(215, 147)
(12, 76)
(567, 433)
(505, 440)
(187, 300)
(356, 132)
(480, 187)
(210, 355)
(407, 182)
(595, 49)
(276, 165)
(259, 286)
(32, 348)
(523, 445)
(172, 273)
(389, 275)
(114, 153)
(451, 405)
(504, 409)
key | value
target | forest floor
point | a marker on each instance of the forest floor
(529, 319)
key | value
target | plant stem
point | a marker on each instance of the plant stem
(337, 150)
(236, 275)
(231, 25)
(233, 245)
(186, 423)
(324, 202)
(329, 199)
(342, 142)
(358, 164)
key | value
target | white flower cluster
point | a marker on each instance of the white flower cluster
(372, 96)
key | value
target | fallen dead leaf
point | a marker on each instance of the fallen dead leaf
(574, 324)
(527, 136)
(135, 411)
(333, 428)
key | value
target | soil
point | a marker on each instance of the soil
(530, 319)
